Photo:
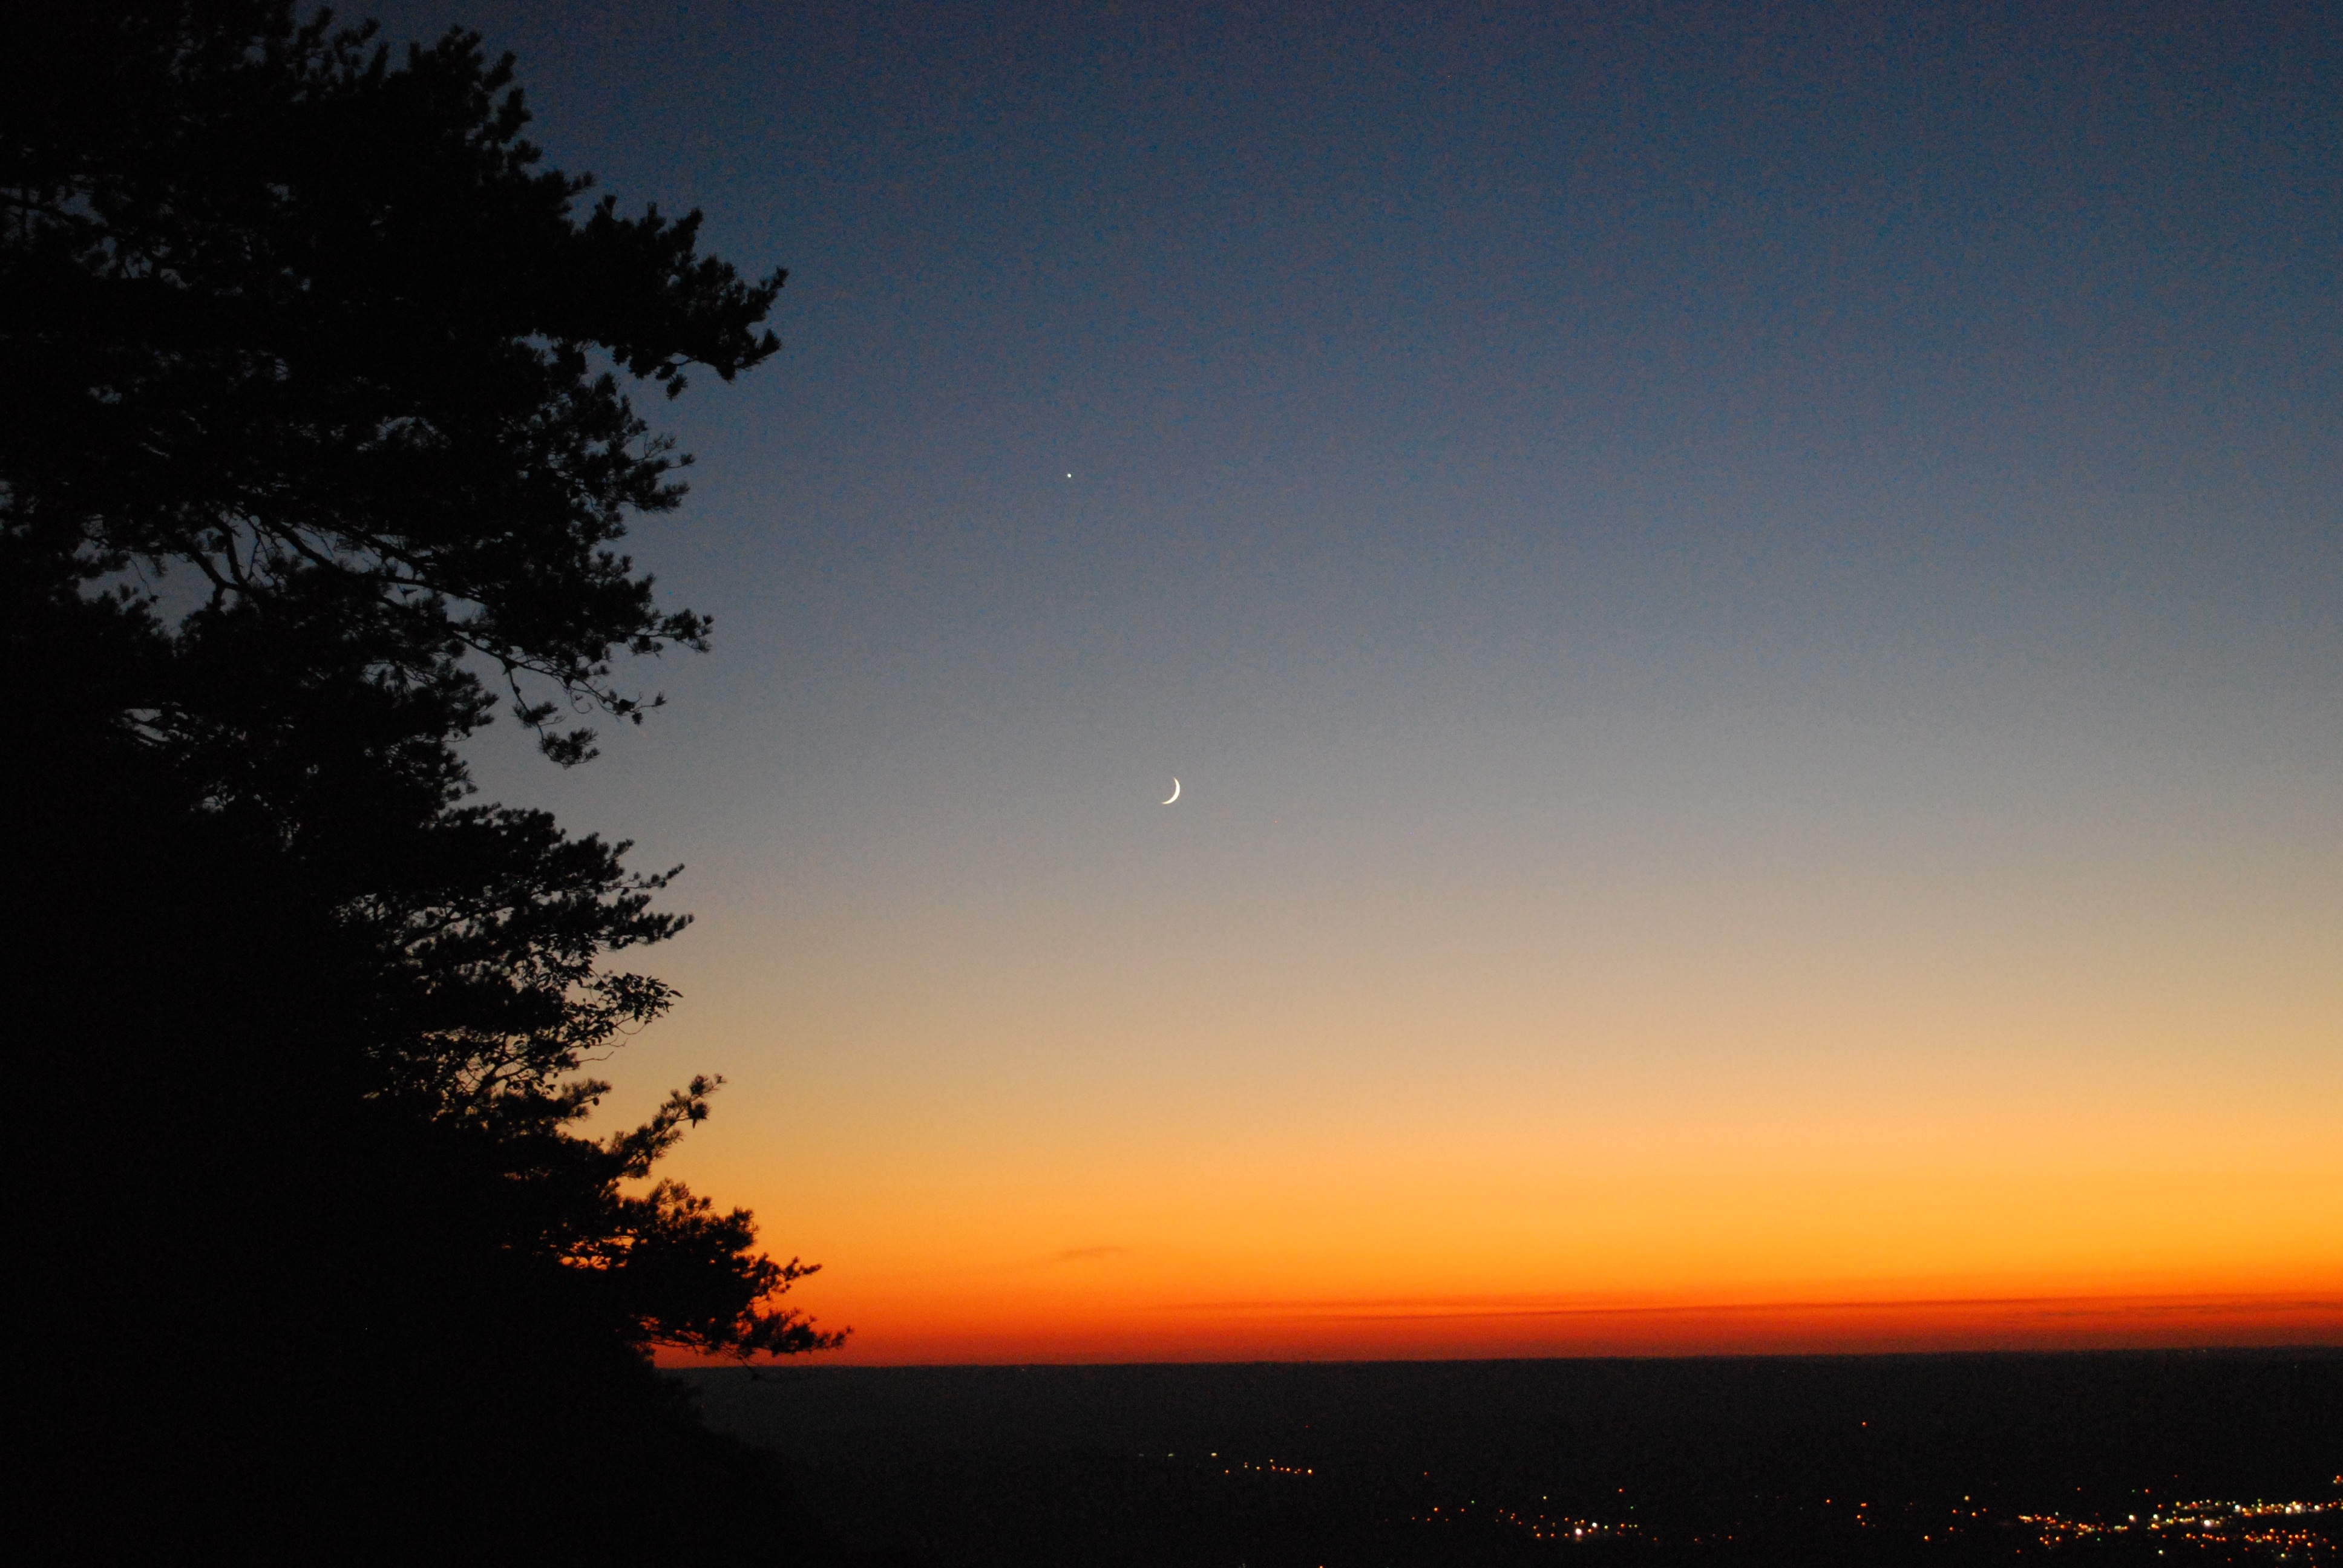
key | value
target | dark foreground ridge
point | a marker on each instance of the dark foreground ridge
(2099, 1458)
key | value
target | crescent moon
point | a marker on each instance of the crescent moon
(1175, 792)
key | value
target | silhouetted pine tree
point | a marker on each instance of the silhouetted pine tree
(314, 413)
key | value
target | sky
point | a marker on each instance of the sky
(1746, 602)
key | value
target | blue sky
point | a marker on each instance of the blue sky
(1687, 557)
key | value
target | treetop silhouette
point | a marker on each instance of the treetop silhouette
(276, 305)
(304, 323)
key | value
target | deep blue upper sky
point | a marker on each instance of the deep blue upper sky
(1701, 361)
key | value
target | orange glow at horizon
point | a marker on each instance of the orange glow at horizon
(1435, 1331)
(1838, 1228)
(1110, 1089)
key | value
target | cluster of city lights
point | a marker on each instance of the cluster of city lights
(1539, 1526)
(2288, 1530)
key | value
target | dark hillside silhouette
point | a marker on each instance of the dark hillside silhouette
(321, 1263)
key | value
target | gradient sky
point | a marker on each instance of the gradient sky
(1748, 601)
